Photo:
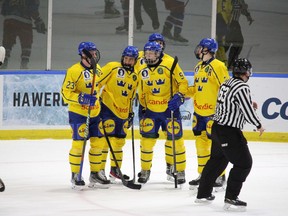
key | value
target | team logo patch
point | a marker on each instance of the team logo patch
(120, 73)
(109, 125)
(160, 70)
(134, 77)
(81, 130)
(209, 127)
(177, 127)
(146, 124)
(144, 74)
(86, 75)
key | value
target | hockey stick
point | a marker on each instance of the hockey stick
(132, 137)
(172, 121)
(130, 184)
(86, 131)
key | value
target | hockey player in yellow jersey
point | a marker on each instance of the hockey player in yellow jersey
(76, 91)
(210, 73)
(119, 83)
(155, 96)
(157, 37)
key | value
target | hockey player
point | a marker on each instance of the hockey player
(76, 91)
(118, 82)
(110, 11)
(210, 73)
(2, 57)
(157, 106)
(229, 34)
(234, 108)
(156, 37)
(175, 19)
(17, 22)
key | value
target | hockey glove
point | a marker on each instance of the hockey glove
(40, 26)
(87, 99)
(130, 119)
(177, 100)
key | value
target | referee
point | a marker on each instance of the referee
(234, 108)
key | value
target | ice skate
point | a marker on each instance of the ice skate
(144, 176)
(114, 175)
(193, 185)
(234, 205)
(98, 180)
(123, 29)
(179, 40)
(220, 184)
(110, 11)
(2, 185)
(205, 200)
(77, 184)
(170, 175)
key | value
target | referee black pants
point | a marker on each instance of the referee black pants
(228, 145)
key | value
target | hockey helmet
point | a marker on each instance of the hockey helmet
(241, 66)
(89, 46)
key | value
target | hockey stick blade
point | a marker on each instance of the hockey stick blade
(130, 184)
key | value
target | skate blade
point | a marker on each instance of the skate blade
(78, 188)
(219, 189)
(98, 186)
(203, 201)
(170, 178)
(233, 208)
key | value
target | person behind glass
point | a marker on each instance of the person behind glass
(155, 96)
(175, 19)
(110, 11)
(158, 38)
(2, 57)
(118, 82)
(150, 8)
(210, 73)
(17, 22)
(123, 28)
(228, 32)
(76, 91)
(234, 108)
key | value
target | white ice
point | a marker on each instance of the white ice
(37, 178)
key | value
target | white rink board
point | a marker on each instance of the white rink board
(34, 100)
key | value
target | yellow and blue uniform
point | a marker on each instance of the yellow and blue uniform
(78, 80)
(207, 80)
(155, 92)
(118, 87)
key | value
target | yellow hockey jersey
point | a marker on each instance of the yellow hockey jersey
(118, 88)
(78, 80)
(155, 85)
(141, 65)
(207, 81)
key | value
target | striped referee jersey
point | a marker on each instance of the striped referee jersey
(234, 105)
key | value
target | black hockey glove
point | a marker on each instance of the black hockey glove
(40, 26)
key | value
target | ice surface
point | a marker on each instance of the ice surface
(37, 178)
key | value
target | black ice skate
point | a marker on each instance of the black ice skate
(205, 200)
(98, 180)
(114, 175)
(123, 29)
(144, 176)
(234, 205)
(220, 184)
(170, 174)
(2, 185)
(179, 40)
(76, 183)
(111, 12)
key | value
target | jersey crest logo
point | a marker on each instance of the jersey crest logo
(134, 77)
(149, 83)
(204, 80)
(124, 93)
(121, 73)
(156, 91)
(121, 83)
(160, 81)
(160, 70)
